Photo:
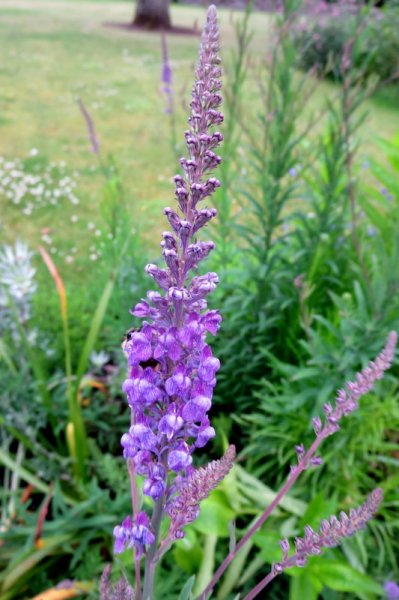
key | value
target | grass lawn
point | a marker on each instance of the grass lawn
(53, 52)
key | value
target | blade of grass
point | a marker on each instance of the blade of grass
(29, 477)
(94, 329)
(99, 316)
(75, 413)
(24, 474)
(207, 564)
(13, 574)
(5, 355)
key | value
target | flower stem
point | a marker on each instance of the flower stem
(302, 465)
(150, 563)
(135, 510)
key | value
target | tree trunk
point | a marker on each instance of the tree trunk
(152, 14)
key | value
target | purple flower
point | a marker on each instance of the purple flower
(179, 384)
(386, 193)
(138, 348)
(142, 387)
(166, 76)
(170, 382)
(208, 365)
(122, 535)
(392, 590)
(170, 424)
(205, 433)
(347, 399)
(135, 534)
(155, 485)
(179, 457)
(196, 409)
(168, 345)
(143, 436)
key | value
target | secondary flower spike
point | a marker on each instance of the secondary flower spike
(329, 535)
(197, 486)
(172, 370)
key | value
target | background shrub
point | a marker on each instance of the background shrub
(321, 41)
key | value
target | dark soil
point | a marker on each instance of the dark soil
(175, 30)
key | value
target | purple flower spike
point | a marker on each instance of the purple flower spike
(166, 76)
(171, 377)
(184, 507)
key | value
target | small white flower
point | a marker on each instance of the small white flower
(46, 239)
(99, 359)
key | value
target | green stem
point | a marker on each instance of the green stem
(207, 564)
(150, 563)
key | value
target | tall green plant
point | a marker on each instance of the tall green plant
(262, 277)
(236, 74)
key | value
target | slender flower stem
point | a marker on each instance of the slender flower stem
(302, 465)
(262, 584)
(148, 591)
(135, 510)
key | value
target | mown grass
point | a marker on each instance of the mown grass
(54, 52)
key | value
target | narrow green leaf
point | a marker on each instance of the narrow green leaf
(344, 578)
(185, 594)
(94, 328)
(27, 476)
(263, 495)
(215, 515)
(305, 585)
(5, 355)
(13, 574)
(207, 564)
(23, 473)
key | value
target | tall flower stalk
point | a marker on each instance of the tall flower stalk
(172, 374)
(172, 370)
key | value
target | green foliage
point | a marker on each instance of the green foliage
(258, 283)
(321, 41)
(77, 535)
(308, 291)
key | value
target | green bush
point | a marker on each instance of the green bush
(321, 42)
